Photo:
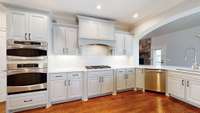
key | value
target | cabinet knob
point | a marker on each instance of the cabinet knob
(183, 83)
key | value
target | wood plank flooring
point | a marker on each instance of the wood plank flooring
(127, 102)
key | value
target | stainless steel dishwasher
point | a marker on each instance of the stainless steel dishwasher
(155, 80)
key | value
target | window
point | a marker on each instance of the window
(157, 57)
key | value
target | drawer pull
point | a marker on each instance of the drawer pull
(28, 100)
(59, 76)
(75, 75)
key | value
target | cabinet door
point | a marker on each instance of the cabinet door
(59, 39)
(130, 78)
(105, 31)
(193, 92)
(3, 51)
(71, 41)
(119, 47)
(107, 84)
(128, 45)
(88, 29)
(74, 85)
(121, 80)
(3, 85)
(38, 27)
(3, 19)
(140, 78)
(17, 25)
(93, 85)
(58, 90)
(176, 87)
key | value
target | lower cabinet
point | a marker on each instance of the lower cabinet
(99, 82)
(184, 86)
(25, 101)
(125, 79)
(65, 86)
(140, 78)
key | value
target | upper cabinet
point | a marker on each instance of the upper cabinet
(27, 26)
(3, 23)
(124, 44)
(92, 28)
(65, 40)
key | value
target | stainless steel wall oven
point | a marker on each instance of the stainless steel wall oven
(27, 66)
(26, 50)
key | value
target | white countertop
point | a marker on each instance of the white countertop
(83, 69)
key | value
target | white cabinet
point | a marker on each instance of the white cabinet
(140, 78)
(58, 87)
(3, 18)
(93, 84)
(27, 26)
(130, 78)
(176, 87)
(65, 86)
(192, 91)
(38, 27)
(92, 28)
(65, 40)
(124, 44)
(107, 83)
(121, 80)
(100, 82)
(3, 89)
(17, 25)
(3, 51)
(74, 85)
(184, 86)
(125, 79)
(27, 101)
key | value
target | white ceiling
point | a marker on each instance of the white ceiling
(178, 25)
(120, 10)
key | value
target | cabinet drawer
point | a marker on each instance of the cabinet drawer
(58, 76)
(129, 71)
(75, 75)
(28, 100)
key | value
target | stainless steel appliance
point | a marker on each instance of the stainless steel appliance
(27, 66)
(26, 50)
(26, 77)
(155, 80)
(98, 67)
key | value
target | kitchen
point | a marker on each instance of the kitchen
(85, 58)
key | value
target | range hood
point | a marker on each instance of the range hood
(86, 42)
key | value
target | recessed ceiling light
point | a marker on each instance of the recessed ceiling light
(136, 15)
(98, 7)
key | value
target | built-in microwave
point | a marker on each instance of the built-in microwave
(26, 77)
(26, 50)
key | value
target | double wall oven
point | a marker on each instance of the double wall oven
(27, 66)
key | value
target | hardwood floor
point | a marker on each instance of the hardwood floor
(127, 102)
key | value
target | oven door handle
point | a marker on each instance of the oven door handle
(13, 72)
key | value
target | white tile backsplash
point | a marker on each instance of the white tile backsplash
(62, 61)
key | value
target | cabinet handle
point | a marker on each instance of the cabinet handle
(102, 79)
(28, 100)
(69, 82)
(29, 36)
(126, 76)
(65, 82)
(99, 79)
(25, 36)
(188, 84)
(75, 75)
(183, 83)
(58, 76)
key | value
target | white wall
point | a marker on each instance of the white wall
(175, 45)
(147, 25)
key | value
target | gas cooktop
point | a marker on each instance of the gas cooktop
(98, 67)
